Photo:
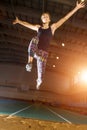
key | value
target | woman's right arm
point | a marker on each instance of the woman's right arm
(26, 24)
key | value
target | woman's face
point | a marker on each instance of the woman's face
(45, 18)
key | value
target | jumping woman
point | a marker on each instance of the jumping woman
(39, 45)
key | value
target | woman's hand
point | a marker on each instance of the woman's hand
(80, 5)
(16, 21)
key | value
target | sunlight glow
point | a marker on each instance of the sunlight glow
(82, 0)
(81, 77)
(84, 76)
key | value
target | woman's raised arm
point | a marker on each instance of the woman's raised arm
(62, 20)
(26, 24)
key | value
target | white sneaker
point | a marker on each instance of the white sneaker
(29, 67)
(39, 82)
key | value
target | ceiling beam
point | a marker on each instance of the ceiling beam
(19, 10)
(53, 49)
(67, 2)
(36, 14)
(67, 37)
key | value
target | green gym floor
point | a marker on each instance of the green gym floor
(40, 111)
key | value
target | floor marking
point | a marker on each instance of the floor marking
(19, 111)
(59, 115)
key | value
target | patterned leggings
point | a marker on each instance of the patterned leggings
(41, 57)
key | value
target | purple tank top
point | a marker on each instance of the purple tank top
(45, 36)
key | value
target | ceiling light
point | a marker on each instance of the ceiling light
(63, 44)
(57, 57)
(54, 66)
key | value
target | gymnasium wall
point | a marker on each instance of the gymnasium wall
(15, 82)
(16, 75)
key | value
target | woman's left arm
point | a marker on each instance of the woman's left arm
(56, 25)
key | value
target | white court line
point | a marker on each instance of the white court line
(19, 111)
(59, 115)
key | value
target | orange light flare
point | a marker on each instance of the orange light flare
(84, 76)
(82, 0)
(82, 79)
